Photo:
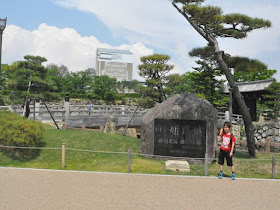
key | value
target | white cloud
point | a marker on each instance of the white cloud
(61, 46)
(146, 25)
(157, 24)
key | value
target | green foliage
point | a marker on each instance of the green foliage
(246, 69)
(106, 162)
(212, 23)
(271, 101)
(204, 85)
(60, 71)
(154, 69)
(79, 82)
(188, 1)
(127, 95)
(104, 88)
(29, 70)
(46, 82)
(56, 78)
(132, 85)
(5, 75)
(43, 81)
(16, 130)
(127, 85)
(49, 96)
(204, 53)
(146, 102)
(204, 81)
(177, 84)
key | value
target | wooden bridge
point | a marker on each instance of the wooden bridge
(78, 115)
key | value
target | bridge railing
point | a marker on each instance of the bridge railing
(58, 111)
(224, 116)
(40, 112)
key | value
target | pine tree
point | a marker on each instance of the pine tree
(211, 23)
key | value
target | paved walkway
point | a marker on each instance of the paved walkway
(47, 189)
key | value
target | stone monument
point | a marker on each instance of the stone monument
(110, 126)
(182, 126)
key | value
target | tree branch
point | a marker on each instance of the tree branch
(194, 25)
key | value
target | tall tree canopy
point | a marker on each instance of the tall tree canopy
(29, 70)
(154, 69)
(104, 88)
(206, 79)
(271, 101)
(79, 82)
(177, 84)
(211, 23)
(246, 69)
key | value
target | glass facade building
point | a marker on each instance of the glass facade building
(114, 63)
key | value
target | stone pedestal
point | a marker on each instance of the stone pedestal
(67, 110)
(37, 109)
(177, 165)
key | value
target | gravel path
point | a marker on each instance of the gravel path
(47, 189)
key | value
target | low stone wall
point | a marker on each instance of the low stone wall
(267, 129)
(97, 121)
(263, 131)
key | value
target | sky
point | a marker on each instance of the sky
(68, 32)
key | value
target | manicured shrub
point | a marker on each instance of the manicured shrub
(16, 130)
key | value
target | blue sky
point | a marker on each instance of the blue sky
(69, 31)
(29, 14)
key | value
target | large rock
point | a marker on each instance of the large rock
(184, 126)
(110, 126)
(129, 132)
(177, 165)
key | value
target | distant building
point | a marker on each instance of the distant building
(114, 63)
(91, 71)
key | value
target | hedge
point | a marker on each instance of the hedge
(16, 130)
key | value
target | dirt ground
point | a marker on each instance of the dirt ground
(47, 189)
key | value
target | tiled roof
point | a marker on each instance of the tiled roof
(251, 86)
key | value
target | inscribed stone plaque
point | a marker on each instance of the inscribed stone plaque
(181, 138)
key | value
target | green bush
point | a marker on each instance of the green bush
(48, 96)
(78, 95)
(146, 102)
(16, 130)
(128, 95)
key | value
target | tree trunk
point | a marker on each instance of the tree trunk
(241, 103)
(237, 95)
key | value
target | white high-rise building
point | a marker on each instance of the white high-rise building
(114, 63)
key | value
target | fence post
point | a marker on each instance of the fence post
(37, 109)
(63, 156)
(267, 145)
(34, 105)
(67, 107)
(206, 165)
(129, 161)
(273, 167)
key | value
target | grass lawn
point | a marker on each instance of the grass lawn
(94, 160)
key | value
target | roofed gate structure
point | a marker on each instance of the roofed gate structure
(252, 91)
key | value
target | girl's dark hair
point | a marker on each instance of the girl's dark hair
(228, 124)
